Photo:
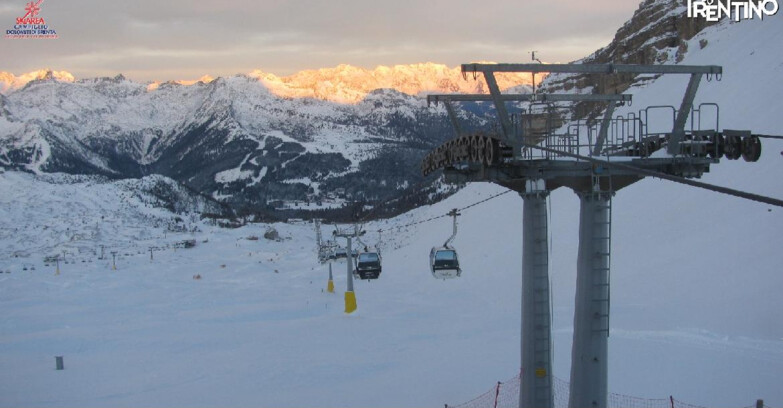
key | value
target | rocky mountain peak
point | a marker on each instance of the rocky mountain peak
(657, 33)
(3, 111)
(349, 84)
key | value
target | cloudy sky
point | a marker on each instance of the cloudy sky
(178, 39)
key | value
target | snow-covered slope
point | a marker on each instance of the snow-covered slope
(71, 216)
(258, 328)
(748, 96)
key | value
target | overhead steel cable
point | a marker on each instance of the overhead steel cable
(447, 215)
(484, 200)
(415, 223)
(404, 194)
(390, 199)
(676, 179)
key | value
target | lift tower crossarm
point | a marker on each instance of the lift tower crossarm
(593, 68)
(447, 100)
(678, 130)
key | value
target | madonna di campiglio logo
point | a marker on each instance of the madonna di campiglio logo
(31, 25)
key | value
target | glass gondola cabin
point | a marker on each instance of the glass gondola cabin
(368, 265)
(444, 263)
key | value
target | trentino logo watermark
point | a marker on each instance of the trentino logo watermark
(714, 10)
(31, 25)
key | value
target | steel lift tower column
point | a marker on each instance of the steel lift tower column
(536, 382)
(589, 355)
(350, 296)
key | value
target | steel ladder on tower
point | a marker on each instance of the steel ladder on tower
(602, 244)
(542, 310)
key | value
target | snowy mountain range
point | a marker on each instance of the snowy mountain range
(258, 142)
(242, 140)
(343, 83)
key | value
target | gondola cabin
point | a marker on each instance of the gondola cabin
(368, 265)
(444, 263)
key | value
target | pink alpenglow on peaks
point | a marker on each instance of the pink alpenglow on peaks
(340, 84)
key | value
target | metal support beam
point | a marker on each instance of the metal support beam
(536, 345)
(330, 282)
(318, 239)
(500, 106)
(349, 262)
(453, 117)
(594, 68)
(604, 131)
(678, 130)
(589, 353)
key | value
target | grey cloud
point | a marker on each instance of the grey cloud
(228, 37)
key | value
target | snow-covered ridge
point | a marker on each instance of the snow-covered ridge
(10, 82)
(205, 79)
(250, 137)
(342, 84)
